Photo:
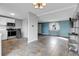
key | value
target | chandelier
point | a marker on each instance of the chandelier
(39, 4)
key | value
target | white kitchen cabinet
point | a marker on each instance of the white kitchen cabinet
(18, 23)
(4, 34)
(11, 20)
(4, 21)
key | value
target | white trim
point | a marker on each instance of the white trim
(58, 10)
(61, 19)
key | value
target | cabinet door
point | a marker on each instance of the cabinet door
(10, 20)
(2, 21)
(18, 23)
(4, 35)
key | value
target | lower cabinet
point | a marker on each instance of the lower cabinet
(4, 35)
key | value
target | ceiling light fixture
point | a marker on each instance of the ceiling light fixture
(39, 4)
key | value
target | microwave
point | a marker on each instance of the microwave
(11, 24)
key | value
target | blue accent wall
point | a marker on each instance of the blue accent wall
(64, 28)
(45, 28)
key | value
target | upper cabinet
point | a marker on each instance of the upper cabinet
(4, 21)
(18, 23)
(10, 20)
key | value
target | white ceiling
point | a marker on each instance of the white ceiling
(53, 11)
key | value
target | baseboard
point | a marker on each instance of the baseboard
(55, 35)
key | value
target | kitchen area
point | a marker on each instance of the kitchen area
(10, 31)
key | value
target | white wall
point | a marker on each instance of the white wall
(25, 28)
(32, 27)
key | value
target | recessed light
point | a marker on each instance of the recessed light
(12, 14)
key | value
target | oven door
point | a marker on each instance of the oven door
(11, 33)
